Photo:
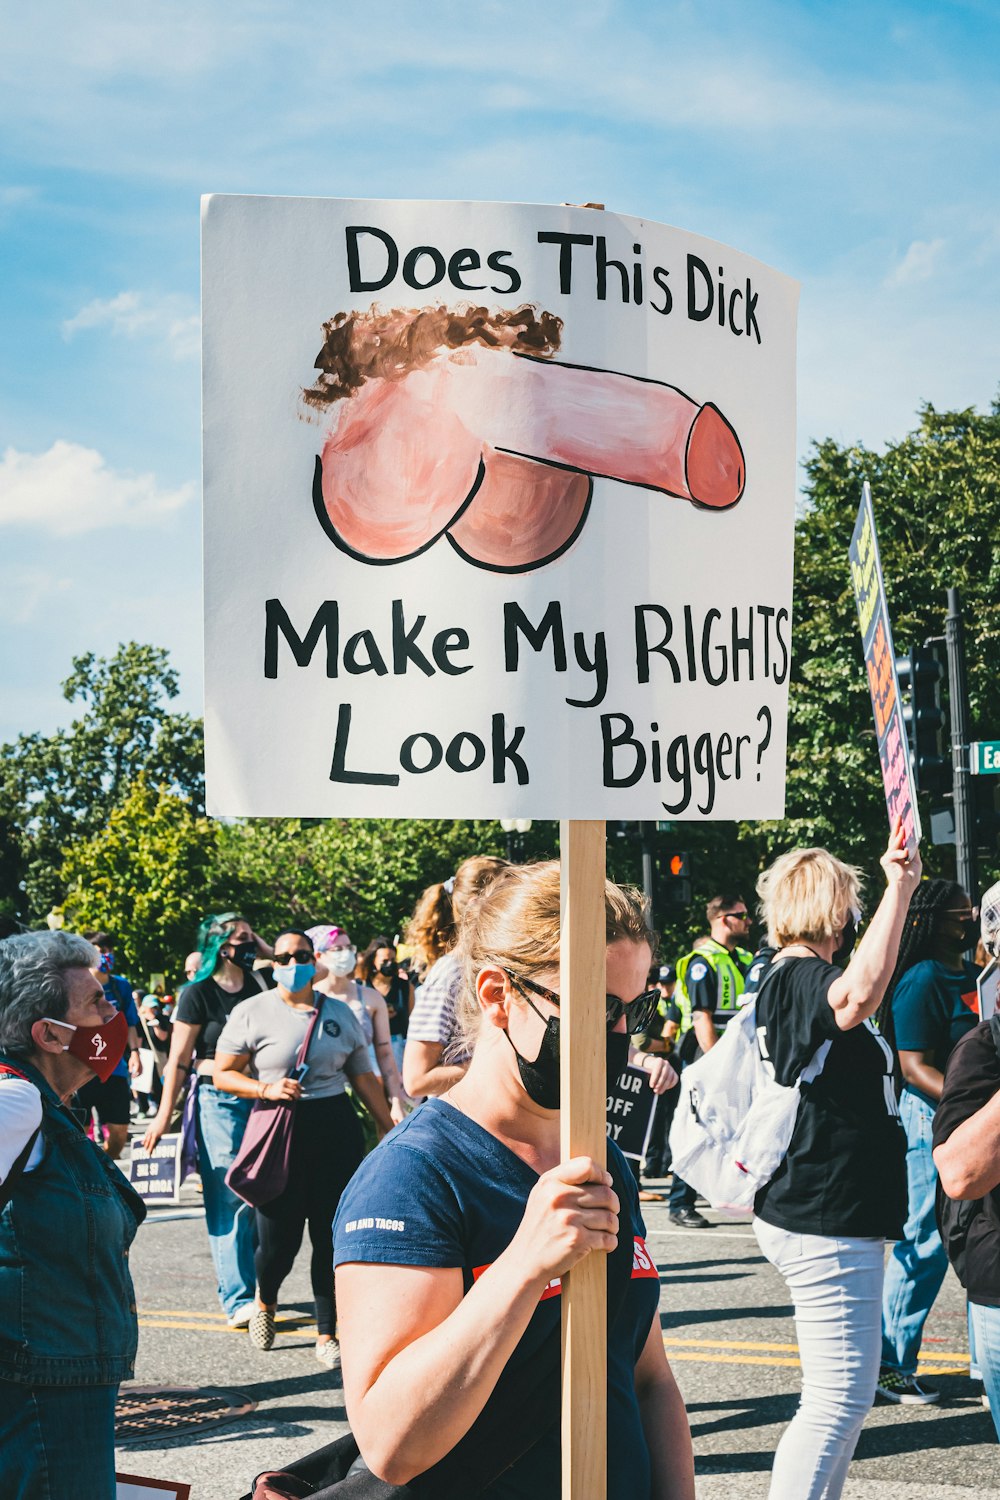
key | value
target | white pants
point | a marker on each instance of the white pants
(836, 1287)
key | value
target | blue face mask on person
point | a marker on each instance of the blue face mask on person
(295, 976)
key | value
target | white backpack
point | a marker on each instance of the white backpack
(733, 1123)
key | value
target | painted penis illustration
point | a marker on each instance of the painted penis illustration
(459, 423)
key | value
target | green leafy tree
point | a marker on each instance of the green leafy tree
(146, 877)
(365, 873)
(61, 788)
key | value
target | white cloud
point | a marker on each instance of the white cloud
(70, 490)
(134, 315)
(918, 264)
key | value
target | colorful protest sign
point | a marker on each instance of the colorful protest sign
(880, 663)
(499, 507)
(630, 1109)
(156, 1176)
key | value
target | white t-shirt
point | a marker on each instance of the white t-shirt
(20, 1117)
(271, 1033)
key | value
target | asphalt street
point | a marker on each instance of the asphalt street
(728, 1332)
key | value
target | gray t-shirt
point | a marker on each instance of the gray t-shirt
(271, 1032)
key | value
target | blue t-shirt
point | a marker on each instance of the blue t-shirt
(441, 1191)
(932, 1009)
(119, 992)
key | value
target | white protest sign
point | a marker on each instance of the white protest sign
(156, 1175)
(988, 988)
(499, 506)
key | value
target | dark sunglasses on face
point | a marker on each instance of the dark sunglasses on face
(638, 1012)
(299, 956)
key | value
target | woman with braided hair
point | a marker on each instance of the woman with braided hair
(930, 1005)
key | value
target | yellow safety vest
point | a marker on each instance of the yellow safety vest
(729, 966)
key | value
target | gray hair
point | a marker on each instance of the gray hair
(33, 982)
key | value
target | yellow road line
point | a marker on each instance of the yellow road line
(685, 1349)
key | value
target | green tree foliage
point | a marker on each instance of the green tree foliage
(145, 877)
(62, 788)
(363, 873)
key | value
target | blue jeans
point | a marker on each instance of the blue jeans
(57, 1441)
(917, 1265)
(231, 1224)
(985, 1324)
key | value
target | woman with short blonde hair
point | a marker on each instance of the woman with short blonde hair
(840, 1191)
(452, 1236)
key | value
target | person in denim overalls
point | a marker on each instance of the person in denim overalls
(68, 1329)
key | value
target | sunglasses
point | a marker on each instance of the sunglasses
(638, 1012)
(300, 956)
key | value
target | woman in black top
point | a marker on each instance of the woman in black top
(379, 967)
(229, 948)
(840, 1192)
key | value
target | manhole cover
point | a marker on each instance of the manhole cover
(146, 1411)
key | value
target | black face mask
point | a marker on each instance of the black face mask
(389, 967)
(848, 938)
(243, 955)
(967, 934)
(540, 1079)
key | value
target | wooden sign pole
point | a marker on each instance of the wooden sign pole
(583, 1132)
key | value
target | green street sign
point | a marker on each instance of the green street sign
(984, 758)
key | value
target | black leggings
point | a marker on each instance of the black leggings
(327, 1147)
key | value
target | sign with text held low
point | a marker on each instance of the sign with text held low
(499, 506)
(880, 662)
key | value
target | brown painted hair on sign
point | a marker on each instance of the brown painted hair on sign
(389, 344)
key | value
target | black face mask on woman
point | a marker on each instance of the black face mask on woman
(243, 955)
(540, 1079)
(848, 938)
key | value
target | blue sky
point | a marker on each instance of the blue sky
(850, 145)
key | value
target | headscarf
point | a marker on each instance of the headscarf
(323, 935)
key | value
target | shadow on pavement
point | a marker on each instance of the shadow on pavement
(671, 1318)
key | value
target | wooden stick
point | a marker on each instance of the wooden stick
(583, 1132)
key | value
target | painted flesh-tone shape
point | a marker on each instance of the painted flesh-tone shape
(522, 515)
(397, 466)
(598, 422)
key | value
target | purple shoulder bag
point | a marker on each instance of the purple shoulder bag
(260, 1167)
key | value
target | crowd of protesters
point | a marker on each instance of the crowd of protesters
(464, 1015)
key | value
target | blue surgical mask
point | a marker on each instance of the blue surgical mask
(294, 977)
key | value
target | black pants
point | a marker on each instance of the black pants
(327, 1147)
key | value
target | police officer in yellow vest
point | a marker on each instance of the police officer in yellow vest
(710, 981)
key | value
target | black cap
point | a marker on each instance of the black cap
(668, 974)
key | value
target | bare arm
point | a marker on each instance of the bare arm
(664, 1421)
(182, 1043)
(425, 1073)
(369, 1090)
(921, 1074)
(704, 1029)
(420, 1360)
(968, 1162)
(858, 993)
(384, 1055)
(229, 1073)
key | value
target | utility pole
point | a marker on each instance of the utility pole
(965, 834)
(647, 833)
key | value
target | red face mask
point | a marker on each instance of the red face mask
(100, 1047)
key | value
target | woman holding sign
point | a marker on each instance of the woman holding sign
(840, 1192)
(451, 1238)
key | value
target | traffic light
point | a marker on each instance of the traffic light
(673, 868)
(986, 817)
(920, 675)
